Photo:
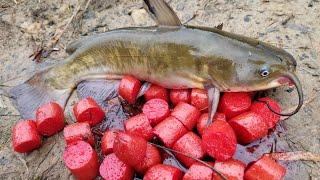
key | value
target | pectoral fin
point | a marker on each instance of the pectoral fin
(213, 97)
(162, 12)
(100, 90)
(105, 93)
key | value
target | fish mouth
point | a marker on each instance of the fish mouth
(291, 80)
(285, 81)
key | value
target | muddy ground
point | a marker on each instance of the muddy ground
(25, 25)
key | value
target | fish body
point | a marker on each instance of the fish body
(171, 55)
(158, 55)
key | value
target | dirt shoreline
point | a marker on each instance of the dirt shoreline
(292, 25)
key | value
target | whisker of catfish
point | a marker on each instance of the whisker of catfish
(285, 47)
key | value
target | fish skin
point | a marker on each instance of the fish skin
(173, 57)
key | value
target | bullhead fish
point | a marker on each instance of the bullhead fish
(171, 55)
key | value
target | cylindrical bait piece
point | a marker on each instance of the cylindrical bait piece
(219, 140)
(262, 109)
(81, 160)
(152, 158)
(203, 121)
(156, 92)
(180, 95)
(265, 169)
(198, 172)
(107, 141)
(189, 144)
(129, 148)
(112, 168)
(234, 103)
(50, 119)
(199, 98)
(78, 132)
(87, 110)
(25, 136)
(248, 126)
(186, 114)
(164, 172)
(156, 110)
(129, 88)
(139, 125)
(231, 169)
(169, 131)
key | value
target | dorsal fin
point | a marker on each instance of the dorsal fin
(162, 12)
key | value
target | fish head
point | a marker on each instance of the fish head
(279, 69)
(265, 67)
(253, 69)
(266, 72)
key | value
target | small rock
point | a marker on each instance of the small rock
(247, 18)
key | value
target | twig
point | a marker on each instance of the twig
(97, 132)
(295, 156)
(9, 115)
(87, 4)
(42, 52)
(189, 156)
(190, 19)
(23, 161)
(287, 19)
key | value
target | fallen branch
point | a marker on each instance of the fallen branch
(45, 51)
(24, 162)
(295, 156)
(287, 19)
(9, 115)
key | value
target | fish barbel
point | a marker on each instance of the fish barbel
(170, 55)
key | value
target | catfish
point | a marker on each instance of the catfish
(171, 55)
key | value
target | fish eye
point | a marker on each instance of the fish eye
(264, 71)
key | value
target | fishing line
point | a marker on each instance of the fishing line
(9, 115)
(178, 163)
(187, 155)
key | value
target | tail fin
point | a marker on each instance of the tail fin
(27, 97)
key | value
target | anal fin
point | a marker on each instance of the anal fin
(100, 90)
